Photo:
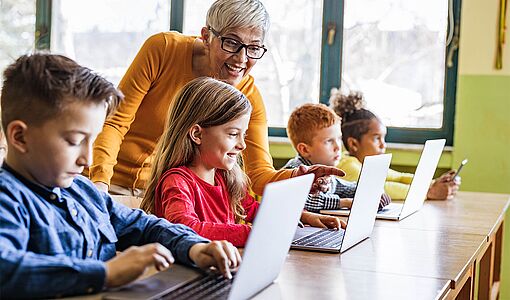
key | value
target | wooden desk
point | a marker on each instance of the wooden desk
(474, 213)
(432, 254)
(470, 213)
(313, 278)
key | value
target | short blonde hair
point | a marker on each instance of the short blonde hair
(228, 14)
(306, 119)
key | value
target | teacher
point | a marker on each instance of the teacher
(230, 45)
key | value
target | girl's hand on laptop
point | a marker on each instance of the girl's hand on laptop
(321, 221)
(346, 203)
(131, 263)
(219, 254)
(321, 172)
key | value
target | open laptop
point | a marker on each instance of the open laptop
(417, 192)
(362, 218)
(263, 257)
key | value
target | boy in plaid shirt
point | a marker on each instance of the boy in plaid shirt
(314, 131)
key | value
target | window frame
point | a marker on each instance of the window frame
(331, 63)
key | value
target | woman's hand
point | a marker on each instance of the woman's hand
(219, 254)
(322, 176)
(321, 221)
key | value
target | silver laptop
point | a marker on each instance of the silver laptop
(263, 257)
(417, 192)
(362, 218)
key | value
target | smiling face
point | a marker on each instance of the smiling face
(56, 151)
(231, 67)
(326, 146)
(220, 145)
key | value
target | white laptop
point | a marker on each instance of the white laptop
(263, 257)
(362, 218)
(417, 192)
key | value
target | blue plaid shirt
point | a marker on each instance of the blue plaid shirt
(330, 199)
(54, 241)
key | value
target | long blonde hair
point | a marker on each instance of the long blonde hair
(206, 102)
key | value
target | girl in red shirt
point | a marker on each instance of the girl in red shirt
(196, 179)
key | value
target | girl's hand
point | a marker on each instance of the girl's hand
(321, 221)
(219, 254)
(321, 172)
(346, 203)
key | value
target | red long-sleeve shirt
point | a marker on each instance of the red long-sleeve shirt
(183, 197)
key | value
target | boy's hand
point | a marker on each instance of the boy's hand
(219, 254)
(385, 200)
(321, 172)
(321, 221)
(346, 203)
(131, 263)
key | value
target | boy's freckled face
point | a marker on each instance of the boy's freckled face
(326, 146)
(59, 149)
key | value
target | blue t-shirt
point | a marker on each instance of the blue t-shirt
(54, 242)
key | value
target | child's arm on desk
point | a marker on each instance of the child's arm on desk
(321, 221)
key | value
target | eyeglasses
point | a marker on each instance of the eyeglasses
(234, 46)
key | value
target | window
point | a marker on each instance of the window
(106, 35)
(394, 51)
(17, 30)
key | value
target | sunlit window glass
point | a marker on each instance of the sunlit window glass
(394, 52)
(17, 30)
(105, 35)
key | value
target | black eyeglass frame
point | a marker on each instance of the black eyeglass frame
(241, 45)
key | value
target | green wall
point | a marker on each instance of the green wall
(482, 132)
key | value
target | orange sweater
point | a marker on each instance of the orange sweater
(123, 151)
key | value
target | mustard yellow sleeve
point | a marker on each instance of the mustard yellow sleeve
(351, 166)
(134, 85)
(258, 162)
(396, 190)
(397, 183)
(399, 177)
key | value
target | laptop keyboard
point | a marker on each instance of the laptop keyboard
(328, 238)
(394, 210)
(211, 286)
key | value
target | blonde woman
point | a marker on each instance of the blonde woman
(230, 44)
(195, 178)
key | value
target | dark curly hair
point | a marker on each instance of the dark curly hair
(355, 117)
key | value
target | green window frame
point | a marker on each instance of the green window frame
(333, 11)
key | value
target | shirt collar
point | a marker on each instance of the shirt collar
(305, 161)
(50, 194)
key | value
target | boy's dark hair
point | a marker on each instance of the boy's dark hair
(37, 88)
(355, 117)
